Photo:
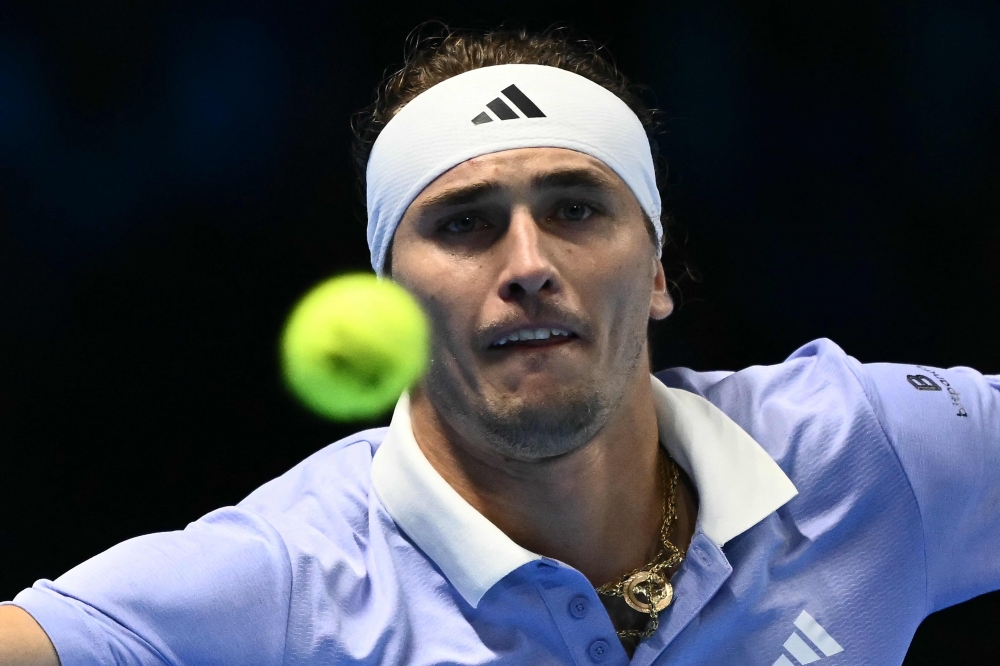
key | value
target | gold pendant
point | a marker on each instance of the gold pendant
(643, 591)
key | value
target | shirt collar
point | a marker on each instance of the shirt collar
(737, 481)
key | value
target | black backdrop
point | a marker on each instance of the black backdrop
(173, 176)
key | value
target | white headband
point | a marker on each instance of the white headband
(498, 108)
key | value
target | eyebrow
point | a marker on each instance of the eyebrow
(460, 196)
(570, 178)
(560, 179)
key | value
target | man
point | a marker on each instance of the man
(539, 498)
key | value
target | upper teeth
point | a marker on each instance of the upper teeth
(532, 334)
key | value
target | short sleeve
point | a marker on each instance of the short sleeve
(214, 593)
(944, 426)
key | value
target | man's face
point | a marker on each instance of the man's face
(538, 273)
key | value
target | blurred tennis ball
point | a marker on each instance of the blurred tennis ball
(352, 345)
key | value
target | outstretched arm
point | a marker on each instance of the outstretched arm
(218, 591)
(22, 640)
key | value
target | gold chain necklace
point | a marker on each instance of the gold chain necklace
(647, 589)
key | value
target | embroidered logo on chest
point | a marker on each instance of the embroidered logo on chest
(801, 650)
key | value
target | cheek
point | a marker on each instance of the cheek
(626, 289)
(452, 314)
(451, 292)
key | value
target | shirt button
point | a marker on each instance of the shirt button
(578, 606)
(599, 650)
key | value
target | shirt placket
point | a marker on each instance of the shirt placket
(704, 571)
(579, 615)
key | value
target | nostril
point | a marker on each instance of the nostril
(518, 288)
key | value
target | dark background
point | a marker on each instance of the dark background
(174, 176)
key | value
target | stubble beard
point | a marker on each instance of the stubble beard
(531, 430)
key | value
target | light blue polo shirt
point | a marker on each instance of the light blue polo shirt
(840, 504)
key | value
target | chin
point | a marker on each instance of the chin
(550, 421)
(550, 382)
(525, 415)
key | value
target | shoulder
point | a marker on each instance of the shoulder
(908, 453)
(814, 414)
(326, 497)
(821, 390)
(158, 595)
(802, 364)
(814, 389)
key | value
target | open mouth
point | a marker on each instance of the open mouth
(533, 337)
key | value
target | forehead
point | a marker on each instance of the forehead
(519, 168)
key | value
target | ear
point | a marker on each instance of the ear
(660, 303)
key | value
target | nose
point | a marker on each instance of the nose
(527, 271)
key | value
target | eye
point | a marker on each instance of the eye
(461, 225)
(575, 212)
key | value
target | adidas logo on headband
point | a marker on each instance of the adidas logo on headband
(504, 112)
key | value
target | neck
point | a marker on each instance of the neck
(598, 509)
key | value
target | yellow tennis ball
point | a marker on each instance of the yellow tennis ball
(352, 345)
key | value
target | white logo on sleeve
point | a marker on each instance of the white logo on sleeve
(801, 650)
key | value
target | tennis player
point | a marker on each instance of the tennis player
(540, 497)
